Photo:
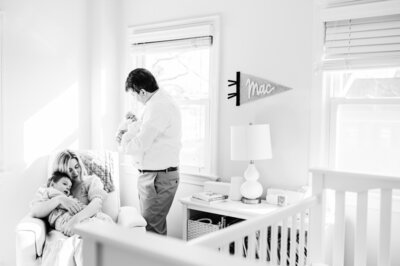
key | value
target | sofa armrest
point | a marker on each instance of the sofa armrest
(31, 235)
(129, 217)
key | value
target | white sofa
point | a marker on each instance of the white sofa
(31, 232)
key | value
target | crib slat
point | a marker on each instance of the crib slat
(251, 248)
(225, 248)
(274, 244)
(338, 245)
(238, 248)
(293, 241)
(284, 242)
(301, 240)
(385, 227)
(91, 250)
(263, 245)
(360, 243)
(316, 252)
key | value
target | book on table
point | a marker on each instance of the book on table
(209, 196)
(207, 202)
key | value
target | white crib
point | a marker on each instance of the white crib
(294, 235)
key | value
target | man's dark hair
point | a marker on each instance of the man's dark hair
(56, 176)
(141, 78)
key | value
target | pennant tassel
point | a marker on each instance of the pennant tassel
(237, 93)
(231, 95)
(232, 82)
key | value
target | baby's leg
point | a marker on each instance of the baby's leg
(104, 217)
(100, 216)
(62, 221)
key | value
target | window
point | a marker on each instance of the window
(365, 119)
(182, 57)
(360, 94)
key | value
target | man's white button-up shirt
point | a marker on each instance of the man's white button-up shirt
(155, 140)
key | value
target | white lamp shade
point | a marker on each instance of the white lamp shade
(250, 142)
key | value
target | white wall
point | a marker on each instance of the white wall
(107, 78)
(269, 39)
(45, 78)
(47, 98)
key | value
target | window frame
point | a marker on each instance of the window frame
(210, 169)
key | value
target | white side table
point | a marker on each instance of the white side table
(230, 208)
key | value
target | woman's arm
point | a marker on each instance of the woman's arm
(90, 210)
(96, 194)
(41, 209)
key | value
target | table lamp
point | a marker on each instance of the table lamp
(250, 143)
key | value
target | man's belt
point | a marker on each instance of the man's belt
(169, 169)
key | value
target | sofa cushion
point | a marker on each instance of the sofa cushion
(101, 164)
(111, 205)
(130, 217)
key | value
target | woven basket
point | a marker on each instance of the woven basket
(200, 227)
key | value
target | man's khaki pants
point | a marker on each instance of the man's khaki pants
(156, 193)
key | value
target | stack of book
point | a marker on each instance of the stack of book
(208, 197)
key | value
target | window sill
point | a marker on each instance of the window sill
(197, 179)
(187, 177)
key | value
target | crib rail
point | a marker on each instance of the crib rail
(279, 238)
(348, 191)
(294, 235)
(108, 244)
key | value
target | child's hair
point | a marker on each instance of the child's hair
(56, 176)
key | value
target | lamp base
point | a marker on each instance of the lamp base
(251, 201)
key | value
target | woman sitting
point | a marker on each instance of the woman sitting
(87, 189)
(60, 184)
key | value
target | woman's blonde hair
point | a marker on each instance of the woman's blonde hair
(61, 162)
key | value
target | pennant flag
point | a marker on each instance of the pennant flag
(250, 88)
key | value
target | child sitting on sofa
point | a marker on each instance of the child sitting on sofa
(60, 184)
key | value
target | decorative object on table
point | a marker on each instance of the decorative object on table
(295, 195)
(100, 163)
(250, 143)
(277, 197)
(284, 197)
(250, 88)
(236, 183)
(208, 197)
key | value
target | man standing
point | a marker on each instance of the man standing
(154, 141)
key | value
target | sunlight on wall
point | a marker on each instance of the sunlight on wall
(103, 92)
(53, 127)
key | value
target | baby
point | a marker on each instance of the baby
(60, 184)
(123, 127)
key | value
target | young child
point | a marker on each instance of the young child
(60, 183)
(124, 125)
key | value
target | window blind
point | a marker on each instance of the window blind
(362, 42)
(335, 3)
(182, 43)
(156, 37)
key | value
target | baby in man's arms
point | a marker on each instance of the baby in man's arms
(60, 184)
